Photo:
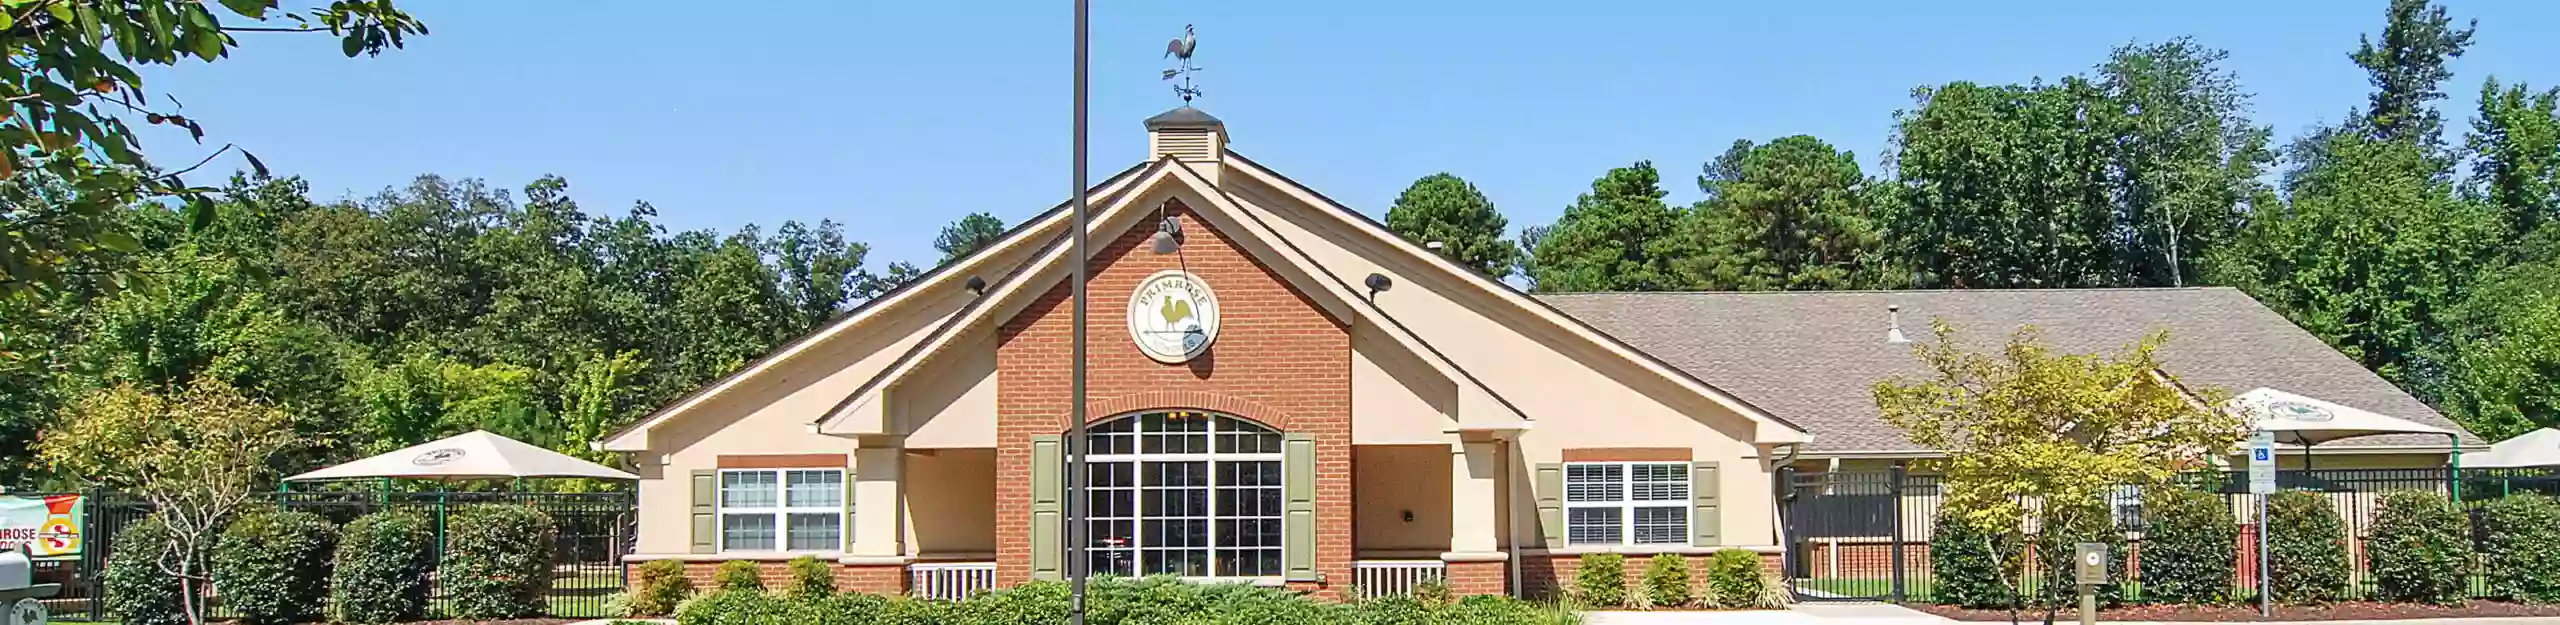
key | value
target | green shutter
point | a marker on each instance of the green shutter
(706, 511)
(1706, 517)
(1550, 485)
(1299, 476)
(846, 526)
(1048, 494)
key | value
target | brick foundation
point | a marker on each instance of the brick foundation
(1549, 576)
(1280, 359)
(884, 580)
(1477, 578)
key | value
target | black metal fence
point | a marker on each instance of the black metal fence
(593, 530)
(1864, 536)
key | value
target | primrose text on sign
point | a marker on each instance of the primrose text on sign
(49, 527)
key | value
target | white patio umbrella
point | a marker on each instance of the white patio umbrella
(477, 454)
(2538, 448)
(2307, 421)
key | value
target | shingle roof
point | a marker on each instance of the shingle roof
(1814, 358)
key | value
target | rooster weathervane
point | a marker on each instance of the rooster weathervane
(1180, 50)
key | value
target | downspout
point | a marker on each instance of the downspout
(1781, 473)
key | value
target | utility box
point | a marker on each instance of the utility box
(20, 596)
(2089, 564)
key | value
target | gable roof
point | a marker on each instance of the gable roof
(1815, 357)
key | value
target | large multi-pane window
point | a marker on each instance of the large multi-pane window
(1626, 503)
(1186, 493)
(782, 510)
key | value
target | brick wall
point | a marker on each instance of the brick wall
(1477, 578)
(1548, 576)
(1279, 359)
(885, 580)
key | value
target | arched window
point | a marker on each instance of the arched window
(1187, 493)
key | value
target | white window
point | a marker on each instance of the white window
(1626, 503)
(1185, 493)
(782, 510)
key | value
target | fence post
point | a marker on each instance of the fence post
(1895, 490)
(93, 565)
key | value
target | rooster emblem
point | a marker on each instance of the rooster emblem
(1173, 316)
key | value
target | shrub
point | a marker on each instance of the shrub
(1602, 580)
(1114, 601)
(739, 575)
(2418, 549)
(1735, 579)
(735, 607)
(811, 578)
(138, 592)
(2306, 548)
(2521, 534)
(2065, 527)
(2187, 547)
(1969, 564)
(1666, 581)
(273, 566)
(662, 587)
(383, 562)
(497, 561)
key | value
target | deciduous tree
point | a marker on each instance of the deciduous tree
(2515, 154)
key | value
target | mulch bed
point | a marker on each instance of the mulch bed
(2349, 611)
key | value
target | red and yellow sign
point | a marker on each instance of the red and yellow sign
(49, 527)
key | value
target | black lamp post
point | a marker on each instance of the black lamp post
(1078, 565)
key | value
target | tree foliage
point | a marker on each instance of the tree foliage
(199, 456)
(1792, 214)
(1614, 238)
(2024, 422)
(1448, 210)
(2408, 69)
(971, 233)
(69, 160)
(2515, 153)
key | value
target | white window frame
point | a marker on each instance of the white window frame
(781, 510)
(1138, 458)
(1627, 505)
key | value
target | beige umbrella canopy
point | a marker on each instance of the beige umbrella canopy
(2538, 448)
(2299, 420)
(477, 454)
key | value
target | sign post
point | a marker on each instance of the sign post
(2262, 482)
(2089, 568)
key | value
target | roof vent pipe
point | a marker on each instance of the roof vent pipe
(1893, 328)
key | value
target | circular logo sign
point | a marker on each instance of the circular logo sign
(2298, 411)
(437, 457)
(1173, 316)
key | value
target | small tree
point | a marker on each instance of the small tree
(2027, 424)
(2419, 549)
(2306, 548)
(2187, 546)
(198, 456)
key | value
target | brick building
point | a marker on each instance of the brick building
(1281, 392)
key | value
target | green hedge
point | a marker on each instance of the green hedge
(2521, 535)
(1601, 581)
(1114, 601)
(1968, 563)
(2420, 550)
(662, 587)
(273, 566)
(383, 562)
(2188, 546)
(497, 561)
(2306, 548)
(1666, 581)
(138, 592)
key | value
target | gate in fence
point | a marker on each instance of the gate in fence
(592, 532)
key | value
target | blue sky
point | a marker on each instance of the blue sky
(897, 117)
